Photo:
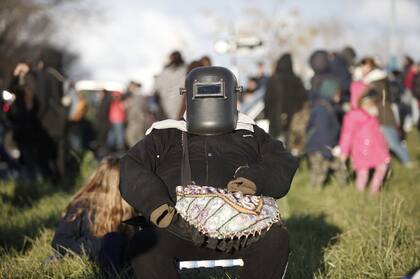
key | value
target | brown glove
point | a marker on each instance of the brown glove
(162, 216)
(244, 185)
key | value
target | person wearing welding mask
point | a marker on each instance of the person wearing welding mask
(226, 150)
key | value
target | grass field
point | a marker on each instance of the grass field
(336, 232)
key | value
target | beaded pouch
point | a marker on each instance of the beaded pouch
(220, 214)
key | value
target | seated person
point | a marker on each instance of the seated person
(225, 150)
(91, 223)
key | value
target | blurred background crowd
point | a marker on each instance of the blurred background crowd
(301, 92)
(48, 121)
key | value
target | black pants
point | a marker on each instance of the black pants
(111, 257)
(155, 253)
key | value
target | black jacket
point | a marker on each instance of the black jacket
(24, 122)
(51, 113)
(284, 97)
(109, 251)
(416, 86)
(151, 170)
(76, 236)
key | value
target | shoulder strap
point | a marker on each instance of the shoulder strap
(185, 166)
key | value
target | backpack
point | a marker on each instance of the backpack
(297, 132)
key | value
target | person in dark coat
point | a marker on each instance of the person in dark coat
(246, 158)
(26, 127)
(92, 222)
(399, 97)
(323, 132)
(340, 67)
(151, 170)
(52, 115)
(102, 124)
(320, 64)
(284, 97)
(50, 92)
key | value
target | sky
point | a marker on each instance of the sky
(131, 39)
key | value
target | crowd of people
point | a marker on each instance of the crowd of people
(51, 121)
(48, 118)
(32, 109)
(351, 110)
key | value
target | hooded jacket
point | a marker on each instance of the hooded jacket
(320, 64)
(49, 92)
(361, 137)
(284, 97)
(323, 127)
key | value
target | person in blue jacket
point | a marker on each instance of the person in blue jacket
(323, 131)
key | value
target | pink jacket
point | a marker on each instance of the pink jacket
(361, 137)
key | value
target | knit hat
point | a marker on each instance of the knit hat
(319, 61)
(329, 88)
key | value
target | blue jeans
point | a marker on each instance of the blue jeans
(394, 143)
(116, 136)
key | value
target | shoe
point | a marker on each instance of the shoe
(409, 165)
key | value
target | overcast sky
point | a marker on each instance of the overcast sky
(130, 39)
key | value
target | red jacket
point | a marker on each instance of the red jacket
(117, 112)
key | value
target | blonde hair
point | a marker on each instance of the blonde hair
(100, 198)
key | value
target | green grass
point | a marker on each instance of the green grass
(336, 232)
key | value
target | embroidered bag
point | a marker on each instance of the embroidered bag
(220, 219)
(220, 214)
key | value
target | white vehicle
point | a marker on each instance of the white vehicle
(254, 108)
(91, 85)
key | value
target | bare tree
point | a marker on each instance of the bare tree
(26, 27)
(281, 30)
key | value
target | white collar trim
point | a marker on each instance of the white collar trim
(374, 75)
(244, 123)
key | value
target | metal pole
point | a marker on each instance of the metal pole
(392, 44)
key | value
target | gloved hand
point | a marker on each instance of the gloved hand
(244, 185)
(336, 151)
(162, 216)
